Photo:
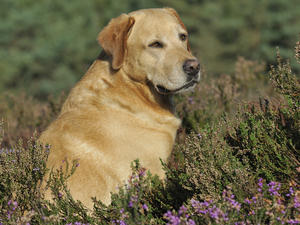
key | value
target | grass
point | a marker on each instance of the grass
(236, 159)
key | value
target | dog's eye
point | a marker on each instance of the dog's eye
(183, 37)
(156, 44)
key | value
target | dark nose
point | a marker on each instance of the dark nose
(191, 67)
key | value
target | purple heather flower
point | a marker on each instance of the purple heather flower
(123, 215)
(36, 169)
(142, 172)
(200, 207)
(254, 199)
(274, 188)
(121, 222)
(133, 200)
(231, 200)
(182, 210)
(191, 222)
(252, 212)
(260, 184)
(172, 219)
(191, 100)
(145, 207)
(296, 203)
(216, 213)
(130, 204)
(247, 201)
(77, 223)
(291, 192)
(293, 221)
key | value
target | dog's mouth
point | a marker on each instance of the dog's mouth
(162, 90)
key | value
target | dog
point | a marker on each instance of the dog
(121, 109)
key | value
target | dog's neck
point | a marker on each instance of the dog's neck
(146, 91)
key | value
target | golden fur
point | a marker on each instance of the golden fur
(117, 113)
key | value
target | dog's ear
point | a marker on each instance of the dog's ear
(113, 38)
(174, 13)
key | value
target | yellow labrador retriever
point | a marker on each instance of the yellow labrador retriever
(122, 109)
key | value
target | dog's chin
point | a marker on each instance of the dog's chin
(186, 87)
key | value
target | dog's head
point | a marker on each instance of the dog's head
(152, 45)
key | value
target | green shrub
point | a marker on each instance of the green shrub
(21, 173)
(211, 177)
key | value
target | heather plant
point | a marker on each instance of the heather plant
(23, 115)
(205, 165)
(238, 167)
(130, 204)
(266, 206)
(214, 97)
(21, 173)
(266, 137)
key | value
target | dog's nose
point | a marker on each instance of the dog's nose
(191, 67)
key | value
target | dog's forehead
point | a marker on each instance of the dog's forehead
(156, 19)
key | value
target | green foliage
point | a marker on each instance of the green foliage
(21, 174)
(46, 46)
(214, 97)
(211, 177)
(261, 141)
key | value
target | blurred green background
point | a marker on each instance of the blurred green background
(47, 45)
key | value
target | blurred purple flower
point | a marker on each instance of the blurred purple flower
(133, 200)
(172, 219)
(191, 100)
(191, 222)
(230, 198)
(274, 188)
(247, 201)
(260, 184)
(296, 202)
(182, 210)
(291, 192)
(145, 207)
(254, 199)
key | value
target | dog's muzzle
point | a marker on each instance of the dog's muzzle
(191, 68)
(162, 90)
